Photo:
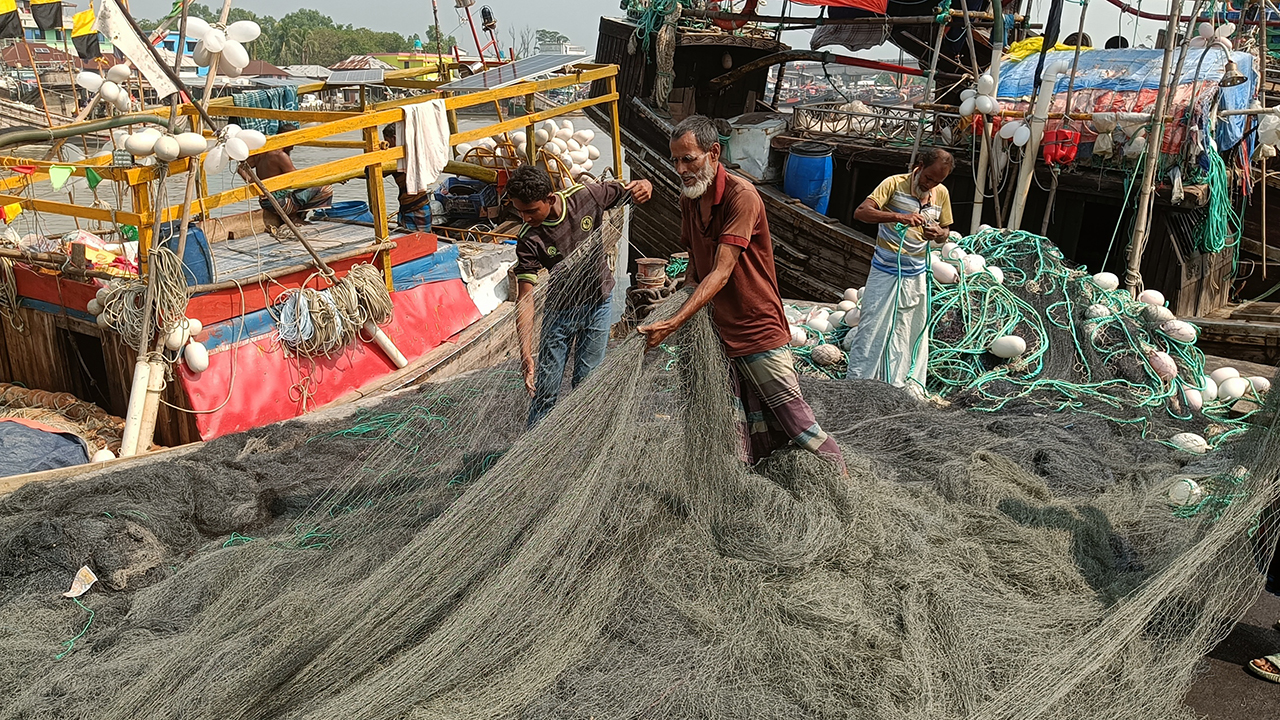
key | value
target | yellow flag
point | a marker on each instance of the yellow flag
(82, 23)
(8, 6)
(13, 210)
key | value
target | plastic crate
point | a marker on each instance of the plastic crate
(466, 199)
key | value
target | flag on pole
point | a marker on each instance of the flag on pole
(10, 23)
(114, 23)
(47, 14)
(84, 34)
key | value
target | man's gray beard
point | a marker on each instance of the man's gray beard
(706, 176)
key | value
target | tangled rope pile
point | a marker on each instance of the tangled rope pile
(124, 301)
(314, 323)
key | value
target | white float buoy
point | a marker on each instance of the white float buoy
(1193, 398)
(846, 305)
(140, 144)
(1185, 491)
(1179, 330)
(798, 336)
(996, 274)
(1009, 346)
(119, 73)
(1163, 365)
(944, 273)
(835, 318)
(191, 144)
(851, 294)
(973, 263)
(1209, 388)
(1107, 281)
(167, 148)
(177, 338)
(1190, 442)
(1259, 383)
(1232, 389)
(1151, 297)
(1224, 373)
(852, 318)
(197, 357)
(103, 455)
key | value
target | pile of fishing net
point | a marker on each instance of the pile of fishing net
(1081, 343)
(427, 558)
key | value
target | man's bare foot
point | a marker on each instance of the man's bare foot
(1267, 668)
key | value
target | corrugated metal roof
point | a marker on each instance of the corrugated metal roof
(361, 62)
(318, 72)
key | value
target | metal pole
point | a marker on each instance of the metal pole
(1133, 268)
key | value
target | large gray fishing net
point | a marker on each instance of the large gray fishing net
(429, 559)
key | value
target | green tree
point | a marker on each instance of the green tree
(447, 42)
(551, 37)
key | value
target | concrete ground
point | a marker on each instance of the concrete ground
(1225, 690)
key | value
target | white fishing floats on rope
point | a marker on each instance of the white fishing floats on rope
(226, 42)
(111, 88)
(1208, 35)
(232, 143)
(980, 100)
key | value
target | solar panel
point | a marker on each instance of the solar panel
(512, 73)
(355, 77)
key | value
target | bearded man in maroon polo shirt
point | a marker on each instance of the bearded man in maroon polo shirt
(731, 268)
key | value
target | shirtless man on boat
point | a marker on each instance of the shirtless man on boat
(295, 202)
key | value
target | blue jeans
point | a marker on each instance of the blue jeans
(585, 330)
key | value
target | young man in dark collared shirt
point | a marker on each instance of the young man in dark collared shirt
(558, 226)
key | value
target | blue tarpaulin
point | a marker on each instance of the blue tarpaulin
(25, 449)
(1135, 70)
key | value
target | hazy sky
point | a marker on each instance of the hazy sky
(580, 19)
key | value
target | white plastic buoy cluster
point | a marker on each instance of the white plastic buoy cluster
(1208, 35)
(572, 147)
(809, 327)
(499, 151)
(1223, 386)
(165, 146)
(980, 100)
(225, 43)
(111, 88)
(950, 261)
(232, 143)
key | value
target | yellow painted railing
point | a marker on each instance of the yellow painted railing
(372, 160)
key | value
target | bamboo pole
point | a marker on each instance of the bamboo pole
(928, 89)
(1138, 243)
(985, 158)
(617, 128)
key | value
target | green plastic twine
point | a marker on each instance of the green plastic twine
(72, 642)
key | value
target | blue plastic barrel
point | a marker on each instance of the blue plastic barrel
(353, 210)
(808, 175)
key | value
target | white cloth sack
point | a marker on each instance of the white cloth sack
(891, 342)
(424, 132)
